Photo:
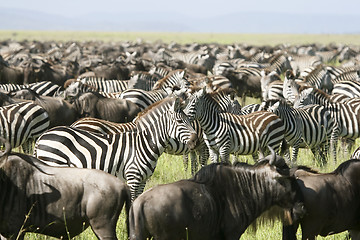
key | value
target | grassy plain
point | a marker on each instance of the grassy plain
(182, 38)
(170, 168)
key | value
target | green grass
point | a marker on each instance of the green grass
(182, 38)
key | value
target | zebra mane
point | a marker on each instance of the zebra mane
(316, 91)
(164, 103)
(173, 74)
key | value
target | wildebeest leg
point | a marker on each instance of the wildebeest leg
(354, 234)
(137, 229)
(289, 232)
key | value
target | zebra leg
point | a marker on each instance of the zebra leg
(295, 151)
(140, 189)
(185, 161)
(204, 155)
(194, 162)
(214, 155)
(333, 143)
(27, 146)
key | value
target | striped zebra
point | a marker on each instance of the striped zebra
(279, 63)
(308, 127)
(22, 123)
(271, 85)
(44, 88)
(347, 116)
(130, 155)
(162, 89)
(105, 85)
(356, 154)
(250, 108)
(300, 62)
(103, 127)
(142, 80)
(226, 133)
(350, 89)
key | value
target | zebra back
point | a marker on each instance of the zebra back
(104, 85)
(101, 126)
(23, 121)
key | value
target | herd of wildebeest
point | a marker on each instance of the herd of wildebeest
(82, 112)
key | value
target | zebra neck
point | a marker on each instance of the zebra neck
(209, 120)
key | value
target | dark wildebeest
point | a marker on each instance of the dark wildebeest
(331, 201)
(93, 104)
(219, 202)
(57, 201)
(61, 112)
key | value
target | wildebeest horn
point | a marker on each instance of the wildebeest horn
(7, 147)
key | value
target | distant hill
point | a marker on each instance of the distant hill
(242, 22)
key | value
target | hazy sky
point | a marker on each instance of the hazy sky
(275, 16)
(190, 7)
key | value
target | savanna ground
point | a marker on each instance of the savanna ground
(170, 168)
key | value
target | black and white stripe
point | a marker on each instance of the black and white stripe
(347, 116)
(105, 85)
(308, 127)
(227, 133)
(130, 155)
(21, 123)
(44, 88)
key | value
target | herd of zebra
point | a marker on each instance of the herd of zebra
(309, 97)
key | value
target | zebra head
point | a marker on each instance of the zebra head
(200, 104)
(305, 97)
(180, 127)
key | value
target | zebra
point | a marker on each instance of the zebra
(44, 88)
(142, 80)
(271, 85)
(347, 116)
(129, 155)
(104, 85)
(23, 122)
(279, 63)
(350, 89)
(356, 154)
(226, 133)
(311, 126)
(162, 89)
(250, 108)
(300, 62)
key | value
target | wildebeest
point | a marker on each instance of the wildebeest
(93, 104)
(61, 112)
(57, 201)
(331, 201)
(219, 202)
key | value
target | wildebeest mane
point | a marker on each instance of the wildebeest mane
(238, 185)
(344, 166)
